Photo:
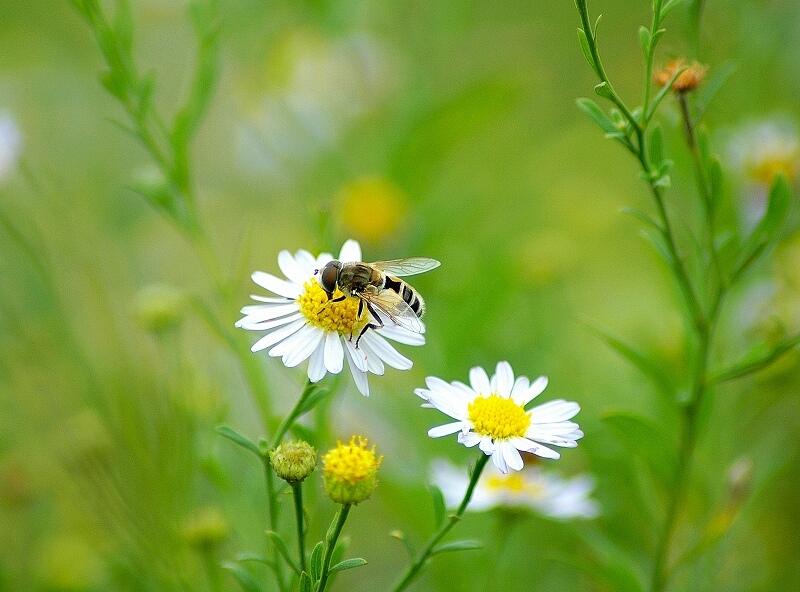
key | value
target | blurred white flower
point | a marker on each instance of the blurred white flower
(492, 415)
(544, 492)
(10, 144)
(301, 323)
(759, 150)
(323, 87)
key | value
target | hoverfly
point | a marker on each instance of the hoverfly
(378, 286)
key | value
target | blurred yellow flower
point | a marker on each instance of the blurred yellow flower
(372, 208)
(763, 149)
(687, 81)
(206, 528)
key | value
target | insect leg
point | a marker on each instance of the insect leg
(377, 325)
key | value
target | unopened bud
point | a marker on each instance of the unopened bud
(294, 461)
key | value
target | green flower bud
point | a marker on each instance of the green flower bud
(294, 461)
(350, 471)
(206, 528)
(159, 307)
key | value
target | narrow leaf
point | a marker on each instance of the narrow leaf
(237, 438)
(586, 51)
(282, 549)
(597, 115)
(644, 39)
(305, 582)
(244, 578)
(316, 561)
(644, 438)
(439, 510)
(348, 564)
(466, 545)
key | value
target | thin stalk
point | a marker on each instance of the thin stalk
(272, 511)
(422, 557)
(297, 491)
(330, 543)
(212, 570)
(651, 51)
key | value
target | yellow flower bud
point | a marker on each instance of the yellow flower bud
(350, 471)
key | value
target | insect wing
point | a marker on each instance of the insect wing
(405, 267)
(393, 306)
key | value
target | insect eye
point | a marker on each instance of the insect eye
(328, 278)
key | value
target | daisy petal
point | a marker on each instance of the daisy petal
(250, 325)
(374, 362)
(503, 379)
(553, 411)
(351, 251)
(277, 285)
(511, 456)
(278, 335)
(359, 376)
(386, 352)
(446, 429)
(480, 381)
(401, 335)
(469, 439)
(527, 445)
(499, 461)
(334, 353)
(291, 269)
(316, 364)
(356, 355)
(256, 313)
(311, 338)
(487, 446)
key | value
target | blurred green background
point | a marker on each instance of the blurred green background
(444, 129)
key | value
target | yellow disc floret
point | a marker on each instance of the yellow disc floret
(350, 471)
(513, 483)
(498, 417)
(341, 317)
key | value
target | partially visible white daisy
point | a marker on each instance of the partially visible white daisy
(492, 415)
(544, 492)
(10, 144)
(301, 324)
(762, 149)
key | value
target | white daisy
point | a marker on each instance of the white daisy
(492, 415)
(761, 149)
(301, 324)
(544, 492)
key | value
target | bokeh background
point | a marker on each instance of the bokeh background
(444, 129)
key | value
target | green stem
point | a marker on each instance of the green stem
(272, 507)
(422, 557)
(297, 491)
(330, 543)
(288, 421)
(212, 570)
(651, 51)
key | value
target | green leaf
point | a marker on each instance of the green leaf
(305, 582)
(439, 510)
(245, 579)
(669, 6)
(282, 549)
(400, 536)
(349, 564)
(465, 545)
(604, 90)
(597, 115)
(237, 438)
(585, 50)
(643, 437)
(651, 369)
(316, 561)
(767, 231)
(644, 39)
(316, 394)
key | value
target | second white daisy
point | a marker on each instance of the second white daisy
(491, 414)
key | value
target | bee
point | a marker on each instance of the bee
(379, 288)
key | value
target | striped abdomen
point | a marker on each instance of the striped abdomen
(406, 292)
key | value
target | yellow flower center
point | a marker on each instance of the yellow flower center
(352, 462)
(512, 483)
(341, 317)
(498, 417)
(765, 170)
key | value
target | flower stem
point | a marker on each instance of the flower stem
(297, 491)
(272, 509)
(422, 557)
(330, 543)
(212, 569)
